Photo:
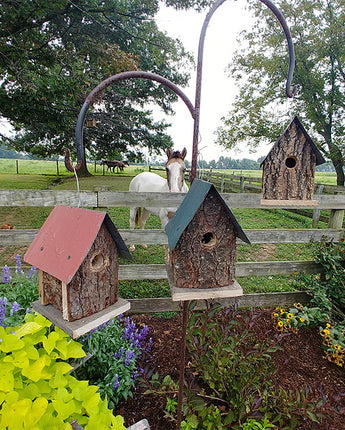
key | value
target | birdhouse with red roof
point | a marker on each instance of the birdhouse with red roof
(202, 240)
(77, 253)
(289, 168)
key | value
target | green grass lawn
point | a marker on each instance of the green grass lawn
(34, 217)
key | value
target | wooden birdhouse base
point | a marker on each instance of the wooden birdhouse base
(292, 203)
(183, 294)
(79, 327)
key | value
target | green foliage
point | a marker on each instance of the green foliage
(260, 67)
(53, 54)
(229, 360)
(115, 349)
(327, 296)
(228, 382)
(36, 388)
(19, 290)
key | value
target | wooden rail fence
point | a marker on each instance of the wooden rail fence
(103, 199)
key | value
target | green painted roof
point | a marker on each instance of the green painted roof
(188, 208)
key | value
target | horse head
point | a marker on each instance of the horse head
(175, 168)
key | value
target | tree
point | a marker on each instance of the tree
(52, 54)
(259, 111)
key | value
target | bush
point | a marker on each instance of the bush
(36, 388)
(116, 347)
(17, 293)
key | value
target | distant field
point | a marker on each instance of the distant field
(54, 168)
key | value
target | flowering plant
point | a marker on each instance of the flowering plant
(334, 343)
(291, 319)
(115, 349)
(17, 292)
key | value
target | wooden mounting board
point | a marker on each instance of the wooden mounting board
(287, 203)
(79, 327)
(183, 294)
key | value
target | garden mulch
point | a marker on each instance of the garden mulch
(300, 364)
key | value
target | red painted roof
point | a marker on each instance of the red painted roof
(64, 240)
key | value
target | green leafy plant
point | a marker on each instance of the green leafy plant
(37, 390)
(327, 296)
(115, 349)
(18, 291)
(252, 424)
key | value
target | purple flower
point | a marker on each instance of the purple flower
(129, 355)
(15, 308)
(19, 264)
(32, 272)
(119, 353)
(6, 274)
(116, 383)
(3, 308)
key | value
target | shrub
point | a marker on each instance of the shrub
(36, 388)
(17, 293)
(115, 347)
(328, 302)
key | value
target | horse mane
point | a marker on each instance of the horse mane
(176, 154)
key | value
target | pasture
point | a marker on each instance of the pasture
(34, 217)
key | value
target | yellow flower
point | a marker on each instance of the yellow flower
(290, 316)
(336, 346)
(275, 315)
(282, 310)
(325, 332)
(302, 320)
(280, 323)
(328, 325)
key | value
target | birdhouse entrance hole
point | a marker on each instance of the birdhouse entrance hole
(97, 262)
(209, 240)
(291, 162)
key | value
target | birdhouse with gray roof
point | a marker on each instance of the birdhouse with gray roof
(77, 253)
(289, 168)
(202, 240)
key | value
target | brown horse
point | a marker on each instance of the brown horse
(111, 164)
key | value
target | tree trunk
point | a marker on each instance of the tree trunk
(338, 164)
(83, 172)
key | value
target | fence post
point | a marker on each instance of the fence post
(95, 166)
(222, 183)
(17, 166)
(336, 218)
(317, 212)
(57, 167)
(242, 184)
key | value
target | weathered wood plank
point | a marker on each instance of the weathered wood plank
(261, 268)
(165, 304)
(22, 237)
(125, 198)
(47, 198)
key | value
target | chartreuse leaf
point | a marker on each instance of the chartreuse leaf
(10, 343)
(38, 369)
(28, 328)
(6, 376)
(64, 409)
(91, 404)
(50, 341)
(38, 409)
(13, 414)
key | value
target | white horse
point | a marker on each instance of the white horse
(151, 182)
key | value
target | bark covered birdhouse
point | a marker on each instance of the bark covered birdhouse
(202, 241)
(77, 253)
(289, 168)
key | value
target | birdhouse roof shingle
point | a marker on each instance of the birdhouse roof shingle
(65, 239)
(188, 208)
(319, 157)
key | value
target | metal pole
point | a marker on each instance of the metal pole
(182, 363)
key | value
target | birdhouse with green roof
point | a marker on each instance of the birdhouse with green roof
(202, 240)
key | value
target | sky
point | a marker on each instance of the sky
(218, 90)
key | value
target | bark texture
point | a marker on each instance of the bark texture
(204, 256)
(289, 168)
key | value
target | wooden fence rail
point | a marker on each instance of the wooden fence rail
(103, 199)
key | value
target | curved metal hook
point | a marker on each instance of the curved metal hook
(290, 92)
(96, 91)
